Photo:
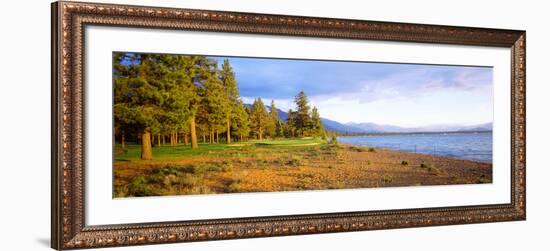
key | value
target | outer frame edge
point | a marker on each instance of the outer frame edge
(59, 241)
(56, 224)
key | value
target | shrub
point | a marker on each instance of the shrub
(233, 187)
(156, 177)
(303, 183)
(357, 149)
(368, 162)
(190, 169)
(226, 166)
(121, 192)
(434, 170)
(315, 153)
(170, 180)
(331, 148)
(189, 180)
(139, 186)
(278, 161)
(262, 162)
(483, 179)
(337, 185)
(372, 150)
(305, 175)
(199, 190)
(169, 169)
(208, 167)
(387, 179)
(404, 162)
(424, 165)
(295, 161)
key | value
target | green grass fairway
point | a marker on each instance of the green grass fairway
(166, 152)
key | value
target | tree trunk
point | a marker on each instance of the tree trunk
(152, 139)
(158, 139)
(217, 136)
(261, 134)
(185, 139)
(194, 144)
(123, 140)
(172, 138)
(241, 137)
(203, 138)
(211, 137)
(146, 150)
(228, 131)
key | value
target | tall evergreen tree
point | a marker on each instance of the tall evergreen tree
(195, 99)
(302, 120)
(214, 98)
(123, 70)
(316, 123)
(241, 123)
(232, 95)
(179, 93)
(259, 118)
(273, 119)
(279, 129)
(289, 125)
(138, 95)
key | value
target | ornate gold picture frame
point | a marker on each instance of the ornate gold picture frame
(69, 228)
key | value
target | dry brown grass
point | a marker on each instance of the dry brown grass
(310, 168)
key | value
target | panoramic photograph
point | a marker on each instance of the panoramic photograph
(195, 124)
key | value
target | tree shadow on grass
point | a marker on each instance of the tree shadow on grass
(123, 160)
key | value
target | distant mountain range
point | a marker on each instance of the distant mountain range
(372, 127)
(377, 128)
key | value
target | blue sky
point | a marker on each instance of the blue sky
(397, 94)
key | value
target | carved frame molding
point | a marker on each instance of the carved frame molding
(68, 226)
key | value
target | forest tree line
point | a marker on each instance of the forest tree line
(162, 99)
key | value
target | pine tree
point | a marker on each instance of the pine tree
(175, 76)
(279, 129)
(259, 118)
(181, 96)
(214, 98)
(317, 124)
(122, 73)
(302, 120)
(232, 95)
(241, 121)
(289, 125)
(138, 95)
(273, 119)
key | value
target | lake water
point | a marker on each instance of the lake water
(469, 146)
